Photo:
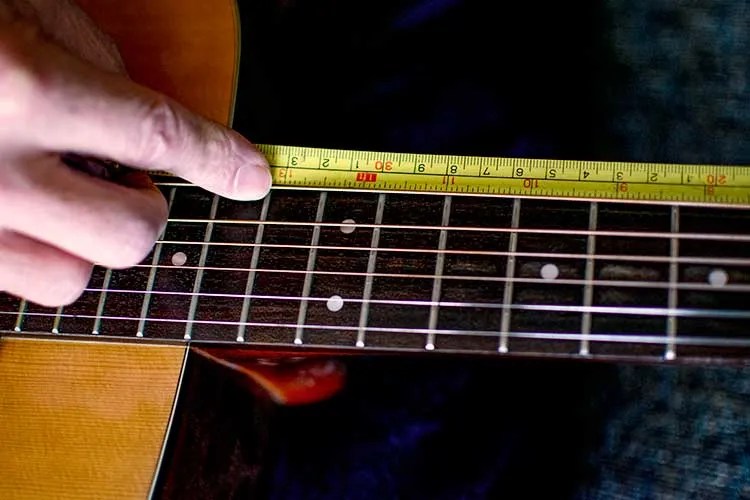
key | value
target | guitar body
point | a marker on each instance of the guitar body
(91, 420)
(84, 420)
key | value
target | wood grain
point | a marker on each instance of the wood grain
(82, 420)
(187, 49)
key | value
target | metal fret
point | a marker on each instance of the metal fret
(588, 287)
(437, 280)
(199, 274)
(253, 266)
(674, 251)
(57, 320)
(152, 273)
(369, 278)
(311, 256)
(102, 301)
(415, 287)
(510, 271)
(21, 315)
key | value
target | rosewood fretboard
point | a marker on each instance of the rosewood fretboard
(426, 273)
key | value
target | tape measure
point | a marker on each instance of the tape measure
(304, 167)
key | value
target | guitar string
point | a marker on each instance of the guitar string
(606, 283)
(732, 261)
(734, 237)
(627, 338)
(729, 287)
(717, 237)
(599, 309)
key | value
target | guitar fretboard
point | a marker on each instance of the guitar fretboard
(426, 273)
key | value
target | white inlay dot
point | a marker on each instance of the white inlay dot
(549, 271)
(718, 277)
(335, 303)
(179, 259)
(347, 226)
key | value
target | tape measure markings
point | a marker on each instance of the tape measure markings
(305, 167)
(555, 178)
(510, 168)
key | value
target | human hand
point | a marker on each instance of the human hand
(62, 91)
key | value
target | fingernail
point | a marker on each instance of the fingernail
(252, 182)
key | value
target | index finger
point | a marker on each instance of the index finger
(69, 105)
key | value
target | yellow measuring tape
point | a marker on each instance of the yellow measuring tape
(646, 182)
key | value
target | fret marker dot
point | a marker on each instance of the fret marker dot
(179, 259)
(360, 343)
(347, 226)
(430, 347)
(718, 277)
(549, 271)
(335, 303)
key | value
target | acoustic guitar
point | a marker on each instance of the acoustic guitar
(89, 391)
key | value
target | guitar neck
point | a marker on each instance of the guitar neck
(368, 271)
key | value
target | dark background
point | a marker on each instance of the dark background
(642, 80)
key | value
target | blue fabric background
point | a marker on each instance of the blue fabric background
(651, 80)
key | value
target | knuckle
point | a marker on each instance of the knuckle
(222, 149)
(160, 129)
(139, 235)
(219, 145)
(17, 81)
